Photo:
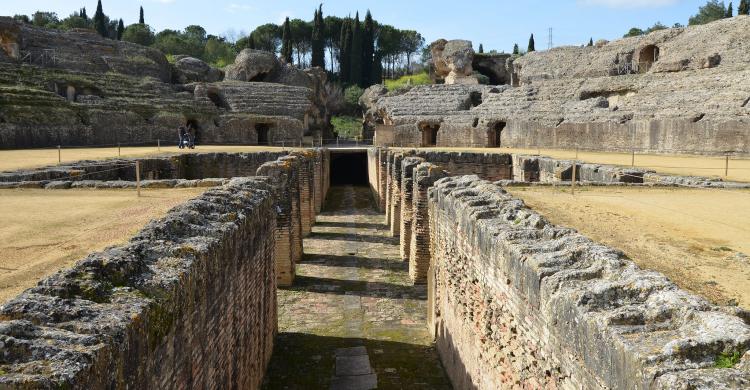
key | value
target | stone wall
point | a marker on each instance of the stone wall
(519, 302)
(190, 301)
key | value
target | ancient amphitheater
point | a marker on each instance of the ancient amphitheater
(399, 265)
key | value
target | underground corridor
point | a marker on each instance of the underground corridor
(352, 319)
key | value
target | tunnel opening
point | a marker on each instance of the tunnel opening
(647, 57)
(429, 134)
(262, 129)
(494, 134)
(348, 168)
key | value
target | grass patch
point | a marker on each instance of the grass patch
(347, 126)
(727, 360)
(403, 81)
(722, 249)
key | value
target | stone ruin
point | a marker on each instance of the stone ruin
(513, 300)
(680, 90)
(76, 88)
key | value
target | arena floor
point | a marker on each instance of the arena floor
(44, 231)
(699, 238)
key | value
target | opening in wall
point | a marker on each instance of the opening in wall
(262, 130)
(195, 128)
(647, 57)
(348, 168)
(494, 133)
(429, 134)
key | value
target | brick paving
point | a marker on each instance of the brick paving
(352, 290)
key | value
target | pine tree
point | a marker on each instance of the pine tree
(730, 10)
(141, 20)
(531, 44)
(100, 24)
(481, 48)
(286, 42)
(120, 30)
(318, 57)
(369, 75)
(356, 54)
(345, 53)
(744, 8)
(591, 42)
(516, 50)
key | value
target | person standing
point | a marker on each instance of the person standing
(182, 133)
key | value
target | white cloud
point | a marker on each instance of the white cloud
(628, 3)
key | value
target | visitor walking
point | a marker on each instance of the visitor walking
(183, 134)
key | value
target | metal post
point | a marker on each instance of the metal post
(158, 144)
(632, 159)
(138, 177)
(59, 154)
(726, 166)
(573, 183)
(337, 141)
(118, 150)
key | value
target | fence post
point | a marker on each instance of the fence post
(158, 145)
(632, 159)
(59, 154)
(573, 182)
(118, 150)
(726, 166)
(138, 177)
(576, 152)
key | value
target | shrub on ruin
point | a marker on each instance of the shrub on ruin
(139, 33)
(712, 11)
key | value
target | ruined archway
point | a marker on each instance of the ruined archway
(494, 133)
(429, 133)
(262, 130)
(647, 57)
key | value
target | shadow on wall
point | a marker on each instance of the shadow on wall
(451, 360)
(307, 361)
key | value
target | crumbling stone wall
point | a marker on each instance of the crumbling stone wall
(190, 301)
(519, 302)
(425, 176)
(408, 165)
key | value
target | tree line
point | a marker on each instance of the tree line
(354, 51)
(712, 11)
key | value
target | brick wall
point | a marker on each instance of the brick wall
(517, 302)
(189, 302)
(425, 175)
(408, 165)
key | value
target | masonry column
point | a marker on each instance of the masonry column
(280, 177)
(296, 219)
(307, 211)
(396, 194)
(425, 175)
(388, 189)
(408, 165)
(382, 176)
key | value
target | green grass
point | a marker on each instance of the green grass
(347, 126)
(403, 81)
(726, 360)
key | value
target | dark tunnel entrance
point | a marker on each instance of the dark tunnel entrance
(349, 168)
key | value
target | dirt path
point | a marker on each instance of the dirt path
(352, 290)
(43, 231)
(699, 238)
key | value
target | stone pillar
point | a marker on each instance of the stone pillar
(318, 180)
(425, 175)
(281, 178)
(382, 176)
(388, 189)
(396, 194)
(307, 211)
(408, 165)
(296, 225)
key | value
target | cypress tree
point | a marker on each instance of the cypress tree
(744, 8)
(591, 42)
(120, 30)
(376, 77)
(516, 50)
(481, 49)
(369, 74)
(141, 20)
(730, 10)
(531, 44)
(345, 53)
(356, 54)
(286, 42)
(318, 57)
(84, 16)
(99, 23)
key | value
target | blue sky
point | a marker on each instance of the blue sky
(497, 24)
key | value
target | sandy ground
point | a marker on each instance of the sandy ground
(44, 231)
(699, 238)
(11, 160)
(711, 166)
